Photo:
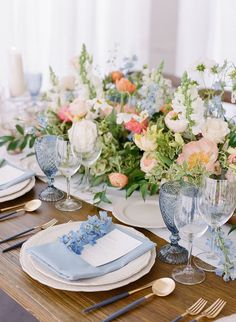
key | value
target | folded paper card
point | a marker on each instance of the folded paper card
(71, 266)
(11, 175)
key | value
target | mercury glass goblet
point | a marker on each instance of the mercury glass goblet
(45, 149)
(171, 253)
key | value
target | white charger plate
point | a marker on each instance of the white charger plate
(15, 188)
(20, 193)
(139, 213)
(127, 274)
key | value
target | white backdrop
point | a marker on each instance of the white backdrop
(178, 31)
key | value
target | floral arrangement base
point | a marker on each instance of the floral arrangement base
(173, 254)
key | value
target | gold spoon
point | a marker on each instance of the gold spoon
(30, 206)
(161, 287)
(16, 206)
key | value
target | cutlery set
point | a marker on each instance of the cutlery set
(29, 206)
(161, 287)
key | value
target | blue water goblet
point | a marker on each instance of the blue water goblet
(33, 83)
(171, 253)
(45, 149)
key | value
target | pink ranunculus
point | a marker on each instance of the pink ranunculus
(118, 180)
(64, 114)
(232, 159)
(148, 162)
(135, 126)
(203, 152)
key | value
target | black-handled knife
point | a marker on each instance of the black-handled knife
(15, 246)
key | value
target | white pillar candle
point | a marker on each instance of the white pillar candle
(16, 74)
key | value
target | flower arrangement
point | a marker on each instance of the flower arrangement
(150, 132)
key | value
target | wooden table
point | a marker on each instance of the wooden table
(51, 305)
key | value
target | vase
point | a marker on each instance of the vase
(215, 107)
(171, 253)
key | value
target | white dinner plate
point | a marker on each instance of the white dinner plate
(127, 274)
(139, 213)
(30, 163)
(15, 188)
(20, 193)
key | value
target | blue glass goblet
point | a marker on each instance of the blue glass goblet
(45, 149)
(171, 253)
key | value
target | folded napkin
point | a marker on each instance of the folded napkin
(69, 265)
(11, 175)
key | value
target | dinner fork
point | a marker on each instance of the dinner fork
(195, 309)
(212, 311)
(42, 227)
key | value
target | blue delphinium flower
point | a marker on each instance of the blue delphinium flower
(88, 233)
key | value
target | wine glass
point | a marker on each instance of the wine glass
(216, 202)
(45, 150)
(68, 164)
(189, 222)
(88, 158)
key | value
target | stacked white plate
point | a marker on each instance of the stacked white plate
(17, 190)
(123, 276)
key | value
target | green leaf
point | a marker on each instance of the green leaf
(20, 129)
(6, 138)
(153, 188)
(12, 145)
(144, 190)
(31, 142)
(232, 140)
(131, 189)
(164, 159)
(24, 143)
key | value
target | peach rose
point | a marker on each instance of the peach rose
(116, 75)
(203, 152)
(232, 159)
(148, 162)
(118, 180)
(124, 85)
(79, 108)
(64, 114)
(135, 126)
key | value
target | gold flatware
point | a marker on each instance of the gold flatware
(43, 227)
(161, 287)
(16, 206)
(212, 311)
(195, 309)
(30, 206)
(116, 298)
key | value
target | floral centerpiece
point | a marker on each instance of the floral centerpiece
(150, 132)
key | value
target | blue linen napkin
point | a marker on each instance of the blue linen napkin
(71, 266)
(26, 175)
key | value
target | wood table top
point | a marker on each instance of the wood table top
(48, 304)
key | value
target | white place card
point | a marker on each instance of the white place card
(9, 173)
(109, 248)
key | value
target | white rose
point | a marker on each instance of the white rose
(124, 117)
(215, 130)
(83, 135)
(79, 108)
(174, 123)
(148, 162)
(67, 83)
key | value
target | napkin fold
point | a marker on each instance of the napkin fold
(71, 266)
(11, 175)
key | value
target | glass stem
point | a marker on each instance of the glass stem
(86, 176)
(50, 181)
(68, 187)
(213, 235)
(190, 247)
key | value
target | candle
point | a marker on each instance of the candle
(16, 74)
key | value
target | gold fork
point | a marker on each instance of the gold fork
(212, 311)
(195, 309)
(42, 227)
